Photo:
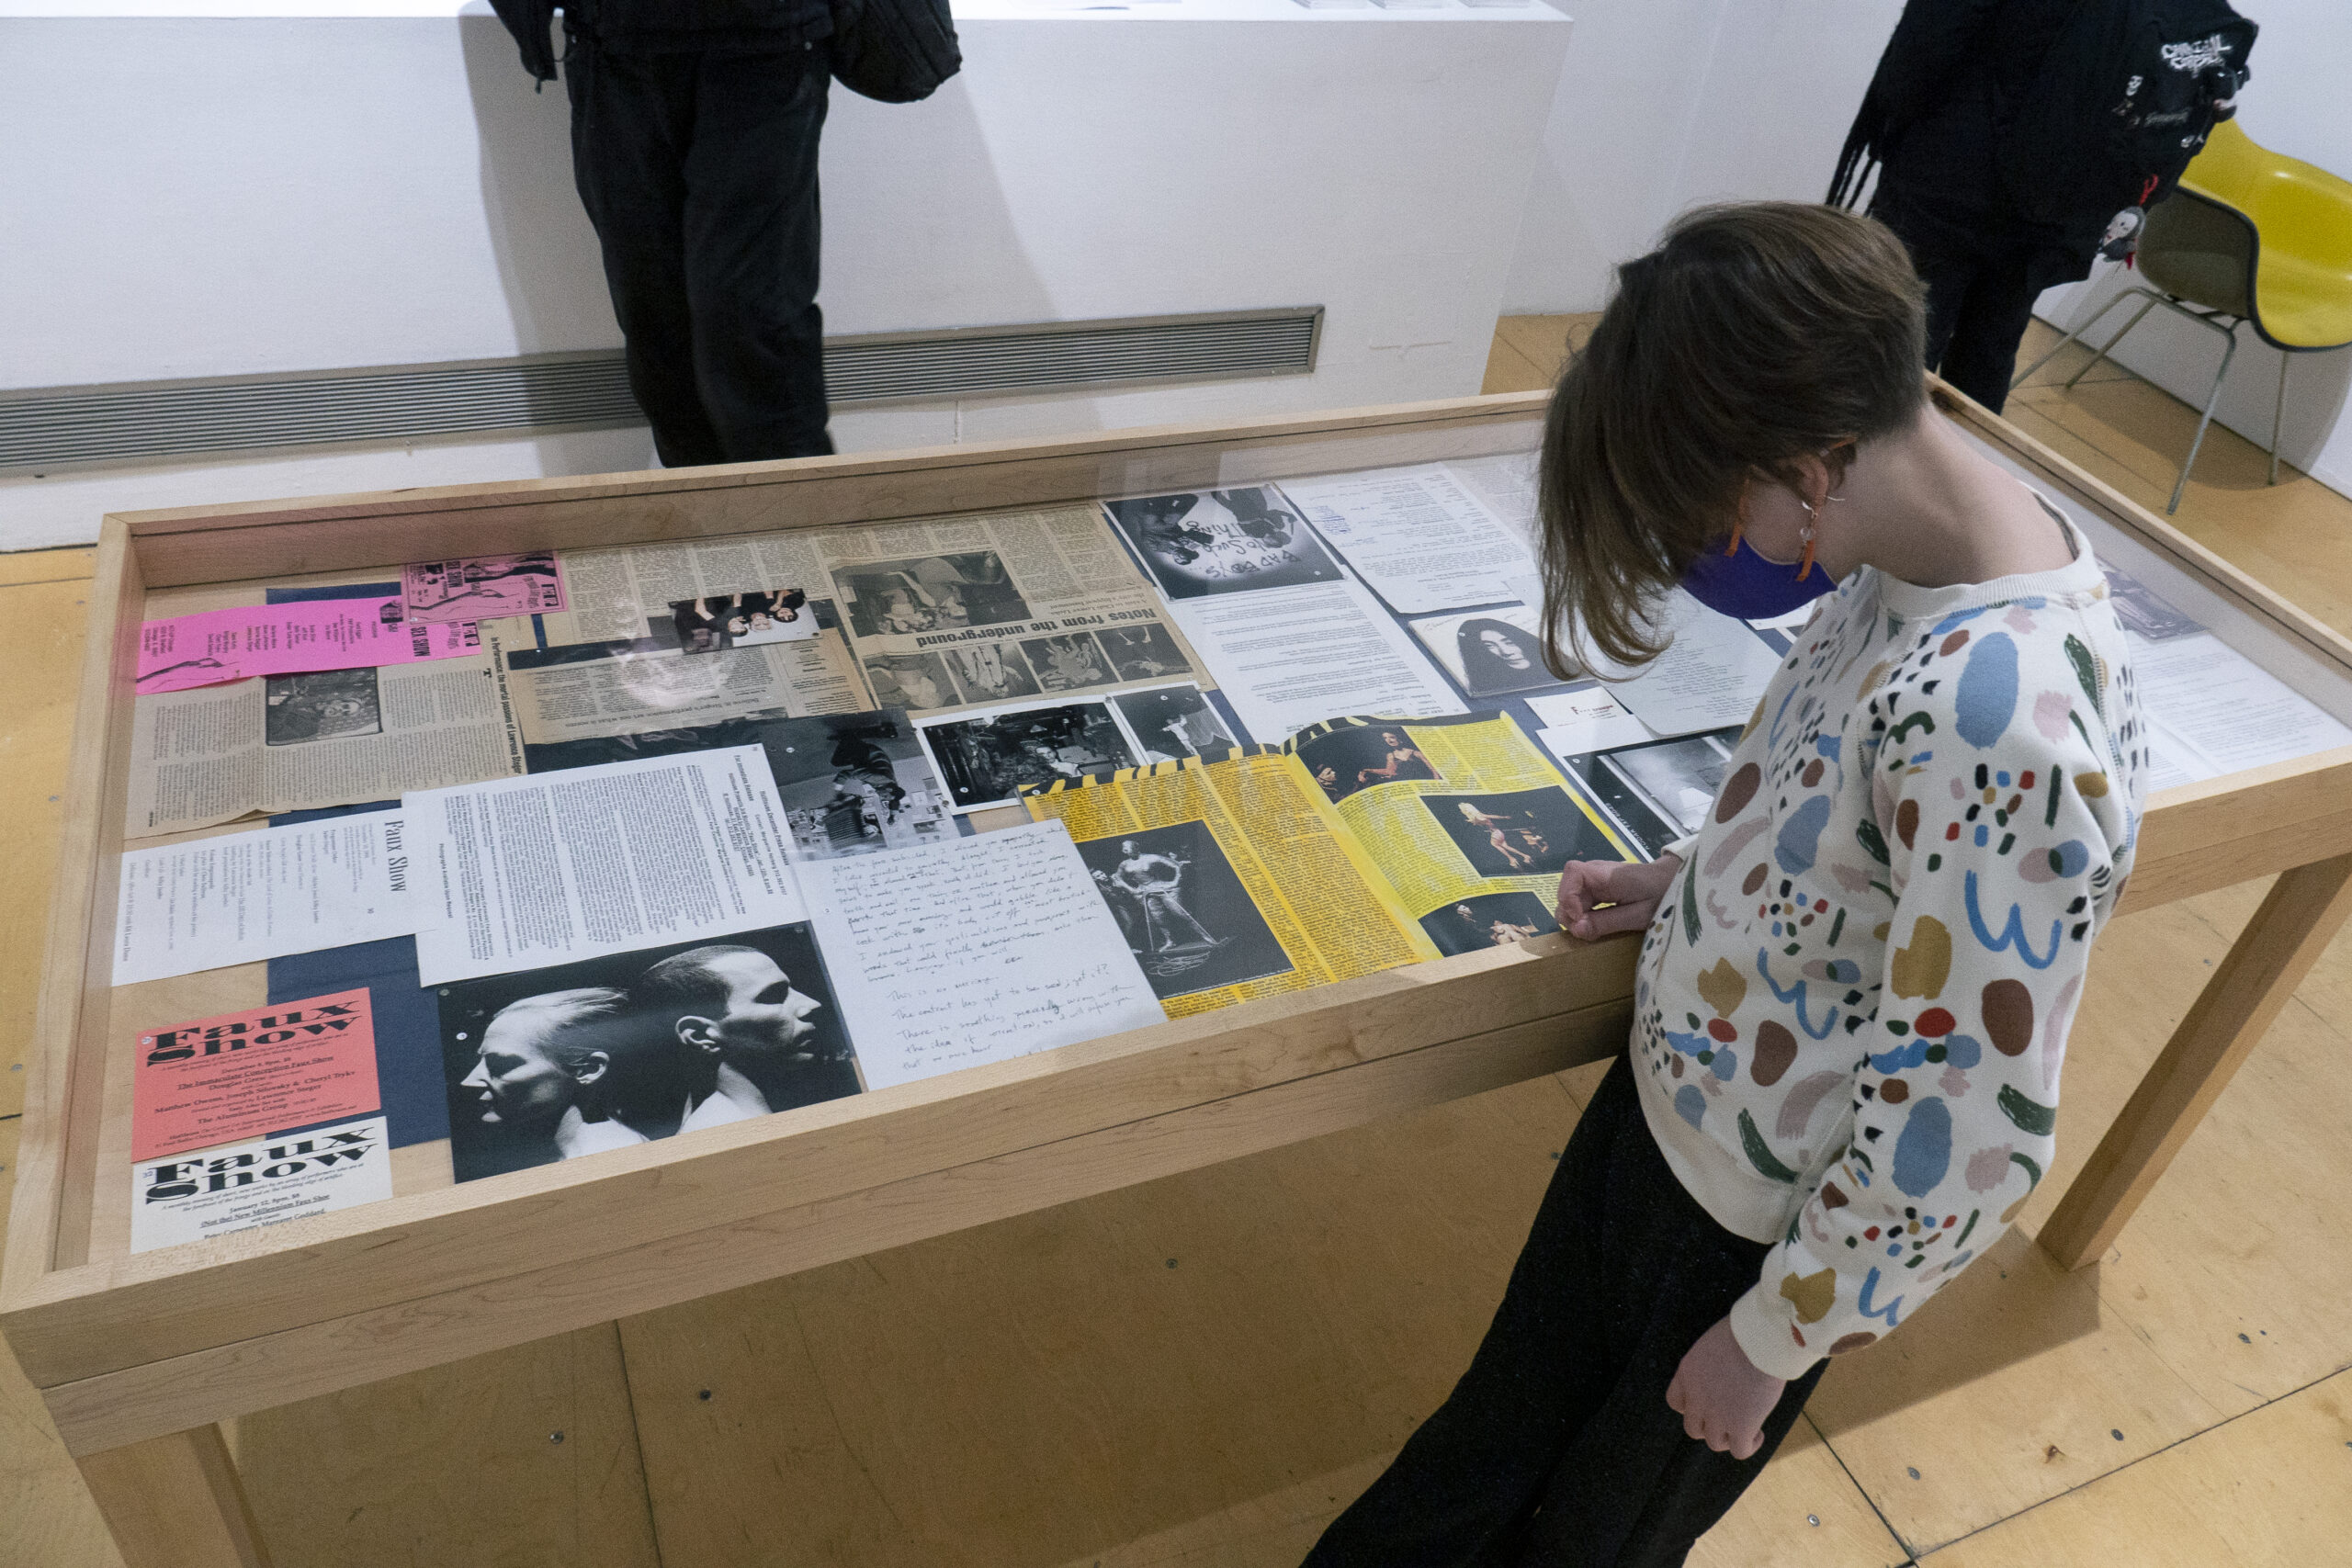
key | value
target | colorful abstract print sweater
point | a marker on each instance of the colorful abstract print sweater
(1854, 1001)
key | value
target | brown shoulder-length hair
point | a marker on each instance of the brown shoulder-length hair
(1757, 333)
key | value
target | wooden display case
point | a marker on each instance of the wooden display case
(140, 1356)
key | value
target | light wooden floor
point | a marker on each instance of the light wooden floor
(1199, 1372)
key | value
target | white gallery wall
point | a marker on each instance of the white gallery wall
(1665, 104)
(188, 194)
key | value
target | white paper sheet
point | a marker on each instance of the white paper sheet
(519, 873)
(1286, 658)
(2214, 711)
(241, 897)
(1417, 534)
(262, 1181)
(975, 949)
(1578, 723)
(1712, 673)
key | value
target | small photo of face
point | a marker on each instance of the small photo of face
(331, 704)
(1490, 653)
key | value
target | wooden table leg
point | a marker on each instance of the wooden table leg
(2238, 1006)
(174, 1503)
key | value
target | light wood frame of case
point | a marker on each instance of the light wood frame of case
(139, 1356)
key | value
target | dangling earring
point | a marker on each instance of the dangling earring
(1804, 568)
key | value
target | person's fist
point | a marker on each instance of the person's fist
(1721, 1397)
(1599, 898)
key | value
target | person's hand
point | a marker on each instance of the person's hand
(1631, 888)
(1720, 1394)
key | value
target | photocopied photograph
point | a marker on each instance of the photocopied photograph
(1488, 919)
(742, 620)
(553, 1064)
(1143, 653)
(1359, 756)
(1187, 918)
(1660, 792)
(1175, 721)
(1491, 652)
(1068, 662)
(331, 704)
(916, 681)
(1527, 832)
(927, 593)
(1223, 541)
(991, 672)
(984, 759)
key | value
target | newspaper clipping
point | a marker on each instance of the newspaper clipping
(297, 742)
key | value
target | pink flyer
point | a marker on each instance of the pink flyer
(483, 588)
(266, 1070)
(285, 639)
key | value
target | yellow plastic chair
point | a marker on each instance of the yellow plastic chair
(2250, 237)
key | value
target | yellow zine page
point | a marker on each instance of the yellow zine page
(1468, 821)
(1231, 879)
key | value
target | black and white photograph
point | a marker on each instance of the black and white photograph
(1143, 653)
(929, 594)
(1223, 541)
(851, 783)
(1659, 793)
(1173, 722)
(984, 759)
(991, 672)
(1350, 757)
(1070, 662)
(1490, 653)
(1487, 919)
(742, 620)
(1187, 918)
(2140, 610)
(553, 1064)
(916, 681)
(326, 705)
(1527, 832)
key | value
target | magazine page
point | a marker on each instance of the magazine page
(297, 742)
(1230, 878)
(1467, 820)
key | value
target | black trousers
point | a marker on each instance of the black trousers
(1983, 278)
(699, 171)
(1557, 1446)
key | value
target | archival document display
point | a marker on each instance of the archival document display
(1358, 845)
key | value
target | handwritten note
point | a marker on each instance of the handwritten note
(970, 950)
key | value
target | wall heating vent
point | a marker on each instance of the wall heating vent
(61, 426)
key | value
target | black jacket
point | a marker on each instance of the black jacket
(661, 26)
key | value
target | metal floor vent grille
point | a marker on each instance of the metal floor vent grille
(61, 426)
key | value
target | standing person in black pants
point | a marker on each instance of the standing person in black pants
(694, 125)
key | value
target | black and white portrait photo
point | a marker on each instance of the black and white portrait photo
(1143, 653)
(1349, 757)
(1070, 662)
(991, 672)
(1487, 919)
(916, 681)
(1223, 541)
(1176, 721)
(1527, 832)
(553, 1064)
(929, 594)
(1490, 653)
(328, 705)
(851, 783)
(985, 759)
(741, 620)
(1186, 916)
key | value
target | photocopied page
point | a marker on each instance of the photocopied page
(329, 737)
(261, 1181)
(527, 873)
(1465, 817)
(243, 898)
(1491, 652)
(1586, 720)
(236, 644)
(1417, 535)
(588, 690)
(1712, 673)
(973, 950)
(2215, 711)
(1231, 879)
(483, 588)
(1290, 637)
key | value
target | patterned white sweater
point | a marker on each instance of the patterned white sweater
(1854, 1001)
